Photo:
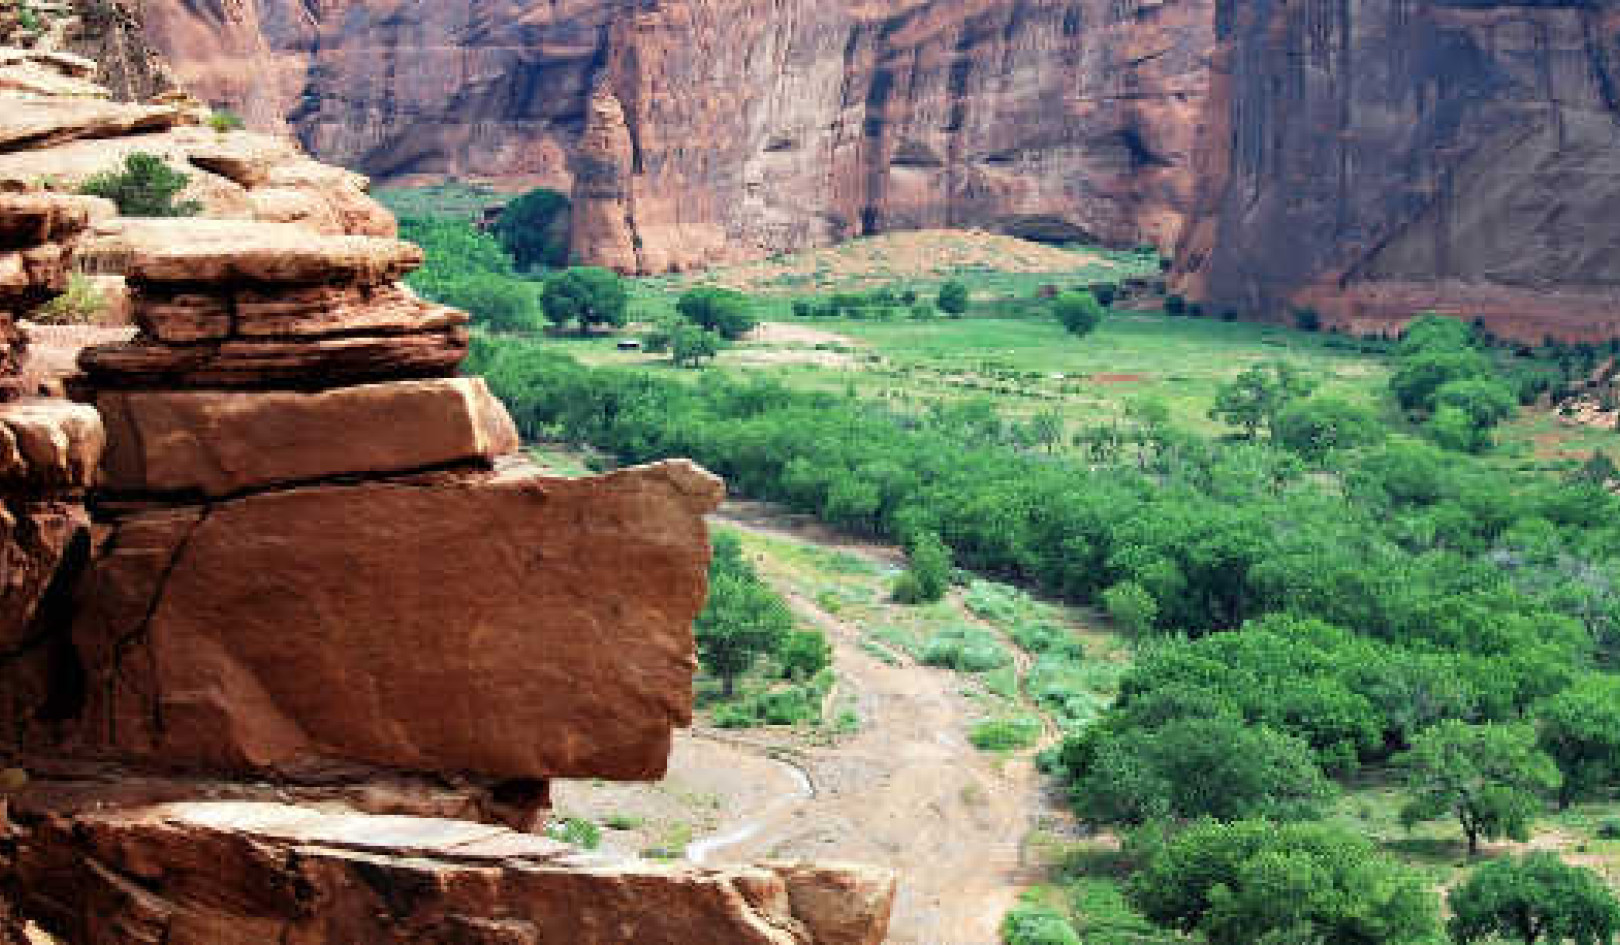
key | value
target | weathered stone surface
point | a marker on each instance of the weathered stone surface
(219, 443)
(189, 316)
(13, 348)
(224, 252)
(287, 188)
(49, 445)
(302, 363)
(30, 219)
(840, 903)
(39, 538)
(220, 873)
(1376, 159)
(511, 625)
(40, 123)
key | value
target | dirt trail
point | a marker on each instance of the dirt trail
(907, 790)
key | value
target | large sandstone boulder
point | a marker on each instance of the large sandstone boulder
(510, 625)
(216, 873)
(217, 443)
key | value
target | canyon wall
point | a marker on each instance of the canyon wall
(748, 126)
(1373, 158)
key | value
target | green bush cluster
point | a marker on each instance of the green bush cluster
(966, 650)
(468, 269)
(1035, 923)
(881, 304)
(1007, 733)
(145, 186)
(577, 831)
(778, 705)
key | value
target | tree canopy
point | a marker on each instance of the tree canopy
(1490, 777)
(1531, 899)
(534, 229)
(588, 295)
(1256, 881)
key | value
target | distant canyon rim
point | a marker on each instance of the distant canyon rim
(1364, 160)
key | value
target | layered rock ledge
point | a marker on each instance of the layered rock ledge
(207, 873)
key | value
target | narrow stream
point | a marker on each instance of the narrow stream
(699, 851)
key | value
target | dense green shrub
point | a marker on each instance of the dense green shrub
(722, 311)
(965, 649)
(224, 120)
(953, 298)
(1033, 923)
(1533, 898)
(1008, 733)
(578, 831)
(146, 186)
(1255, 881)
(589, 295)
(534, 229)
(928, 571)
(1078, 312)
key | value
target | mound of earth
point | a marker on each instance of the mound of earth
(894, 257)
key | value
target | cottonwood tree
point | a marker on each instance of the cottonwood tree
(1531, 899)
(1256, 396)
(742, 621)
(722, 311)
(1490, 777)
(1580, 729)
(1258, 881)
(589, 295)
(1189, 768)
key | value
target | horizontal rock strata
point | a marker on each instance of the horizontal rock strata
(216, 443)
(207, 873)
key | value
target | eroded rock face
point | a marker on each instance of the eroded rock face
(300, 876)
(1376, 159)
(748, 127)
(507, 625)
(62, 127)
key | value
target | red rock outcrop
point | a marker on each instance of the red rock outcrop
(298, 875)
(749, 127)
(62, 128)
(49, 450)
(328, 626)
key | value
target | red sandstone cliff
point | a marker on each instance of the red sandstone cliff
(1372, 160)
(1365, 159)
(749, 126)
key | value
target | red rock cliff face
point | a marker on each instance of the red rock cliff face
(753, 125)
(1375, 158)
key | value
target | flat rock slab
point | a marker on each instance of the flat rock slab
(218, 443)
(287, 312)
(236, 252)
(204, 873)
(314, 363)
(43, 122)
(507, 625)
